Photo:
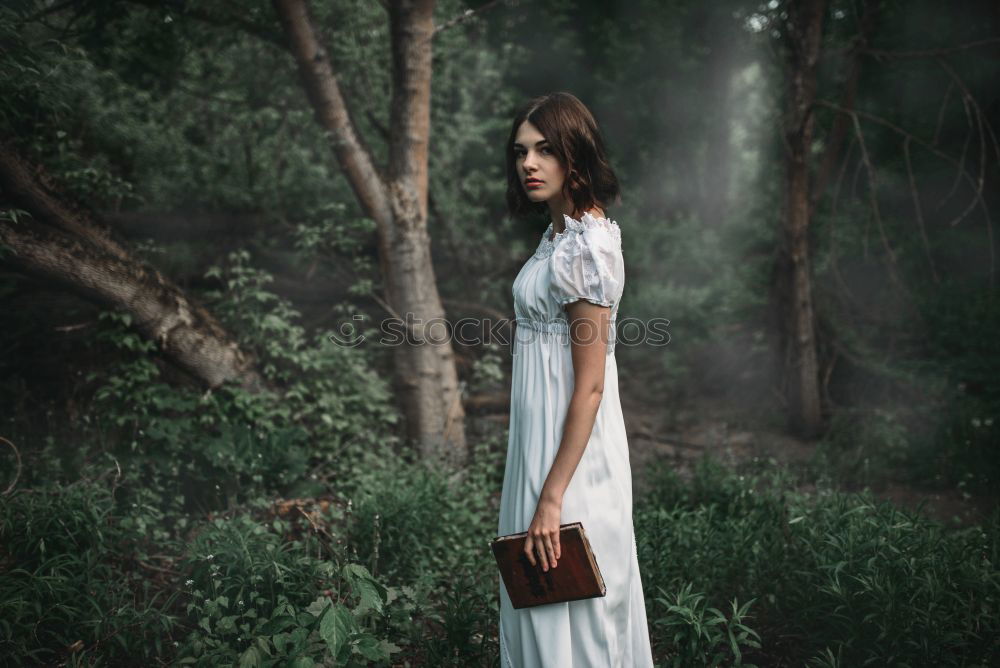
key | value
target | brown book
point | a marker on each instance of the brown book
(576, 576)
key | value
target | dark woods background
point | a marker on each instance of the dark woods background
(195, 196)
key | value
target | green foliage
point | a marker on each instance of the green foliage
(830, 572)
(397, 511)
(323, 401)
(701, 635)
(71, 585)
(141, 105)
(258, 599)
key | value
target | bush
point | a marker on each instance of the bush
(832, 573)
(255, 597)
(215, 449)
(71, 586)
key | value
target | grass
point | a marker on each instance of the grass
(738, 568)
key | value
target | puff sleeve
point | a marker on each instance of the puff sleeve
(588, 264)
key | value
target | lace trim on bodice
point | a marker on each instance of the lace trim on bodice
(546, 246)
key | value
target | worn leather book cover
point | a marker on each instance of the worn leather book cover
(576, 576)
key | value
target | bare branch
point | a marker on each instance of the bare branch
(838, 130)
(940, 118)
(924, 53)
(17, 472)
(933, 149)
(873, 198)
(918, 209)
(466, 15)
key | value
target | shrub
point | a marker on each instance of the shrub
(833, 574)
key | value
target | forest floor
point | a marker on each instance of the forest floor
(683, 430)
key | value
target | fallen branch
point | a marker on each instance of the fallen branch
(17, 473)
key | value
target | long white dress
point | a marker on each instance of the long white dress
(582, 262)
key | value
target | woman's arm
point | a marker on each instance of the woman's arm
(589, 325)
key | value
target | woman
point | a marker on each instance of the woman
(567, 453)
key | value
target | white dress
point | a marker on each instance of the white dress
(582, 262)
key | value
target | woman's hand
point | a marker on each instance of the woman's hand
(543, 534)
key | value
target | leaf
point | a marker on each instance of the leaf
(370, 597)
(277, 625)
(317, 607)
(334, 627)
(250, 658)
(364, 586)
(227, 624)
(371, 648)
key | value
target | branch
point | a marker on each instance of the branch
(323, 90)
(919, 209)
(466, 15)
(930, 147)
(30, 187)
(838, 132)
(873, 197)
(917, 140)
(924, 53)
(186, 332)
(17, 472)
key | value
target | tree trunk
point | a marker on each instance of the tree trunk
(67, 246)
(804, 30)
(396, 199)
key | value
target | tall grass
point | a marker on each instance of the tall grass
(738, 568)
(835, 577)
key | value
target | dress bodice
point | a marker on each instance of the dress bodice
(584, 261)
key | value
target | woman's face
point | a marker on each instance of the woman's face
(538, 169)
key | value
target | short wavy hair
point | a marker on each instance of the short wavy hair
(576, 142)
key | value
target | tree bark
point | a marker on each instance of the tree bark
(396, 199)
(69, 247)
(804, 30)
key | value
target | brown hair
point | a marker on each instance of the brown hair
(576, 141)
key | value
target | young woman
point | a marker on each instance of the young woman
(567, 453)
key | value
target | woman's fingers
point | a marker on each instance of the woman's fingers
(546, 550)
(548, 547)
(542, 552)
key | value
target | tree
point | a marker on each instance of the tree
(793, 284)
(396, 199)
(70, 247)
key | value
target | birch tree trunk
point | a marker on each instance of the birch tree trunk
(68, 246)
(793, 284)
(396, 199)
